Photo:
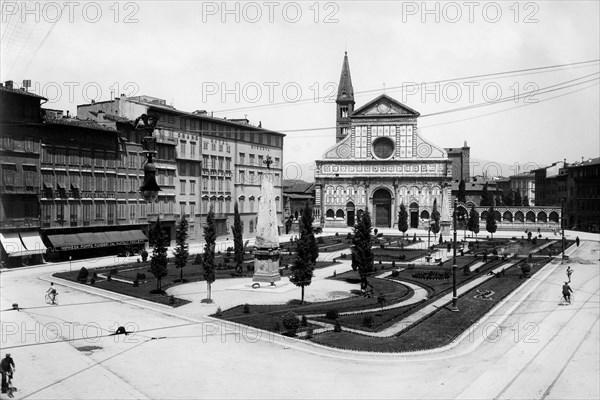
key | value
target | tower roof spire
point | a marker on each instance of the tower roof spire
(345, 89)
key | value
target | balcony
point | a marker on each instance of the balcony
(33, 190)
(25, 222)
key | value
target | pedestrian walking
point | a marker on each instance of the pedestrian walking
(566, 291)
(577, 241)
(7, 368)
(569, 272)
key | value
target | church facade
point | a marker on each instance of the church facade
(380, 161)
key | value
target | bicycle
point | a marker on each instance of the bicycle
(51, 298)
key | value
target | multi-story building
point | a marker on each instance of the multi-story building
(90, 197)
(583, 195)
(20, 132)
(460, 158)
(379, 162)
(202, 163)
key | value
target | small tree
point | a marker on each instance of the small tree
(403, 219)
(238, 243)
(435, 216)
(158, 262)
(208, 259)
(362, 253)
(307, 252)
(473, 223)
(490, 223)
(525, 201)
(181, 252)
(518, 200)
(486, 196)
(462, 194)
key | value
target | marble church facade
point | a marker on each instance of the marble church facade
(378, 162)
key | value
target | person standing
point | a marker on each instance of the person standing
(577, 241)
(7, 368)
(569, 272)
(566, 291)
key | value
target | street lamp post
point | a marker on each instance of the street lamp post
(454, 295)
(70, 258)
(562, 224)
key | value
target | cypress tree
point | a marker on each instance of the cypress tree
(181, 252)
(307, 252)
(403, 219)
(158, 262)
(238, 243)
(435, 215)
(362, 253)
(208, 259)
(490, 224)
(462, 194)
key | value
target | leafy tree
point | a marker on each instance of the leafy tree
(158, 262)
(473, 223)
(490, 223)
(486, 197)
(208, 259)
(435, 216)
(181, 252)
(403, 219)
(462, 194)
(362, 253)
(525, 201)
(238, 243)
(307, 252)
(509, 198)
(518, 200)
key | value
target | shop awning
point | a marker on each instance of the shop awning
(88, 240)
(12, 243)
(65, 242)
(33, 243)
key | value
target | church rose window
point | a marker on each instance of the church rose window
(383, 147)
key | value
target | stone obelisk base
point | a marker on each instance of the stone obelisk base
(266, 265)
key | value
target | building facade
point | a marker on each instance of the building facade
(20, 133)
(378, 162)
(202, 163)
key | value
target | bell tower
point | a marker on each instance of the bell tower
(344, 102)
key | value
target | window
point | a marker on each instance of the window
(192, 187)
(228, 148)
(182, 169)
(9, 172)
(193, 148)
(277, 161)
(171, 178)
(205, 183)
(205, 145)
(213, 146)
(60, 212)
(133, 182)
(121, 210)
(261, 163)
(251, 226)
(251, 180)
(111, 212)
(242, 177)
(182, 187)
(251, 204)
(213, 183)
(181, 209)
(221, 163)
(228, 185)
(360, 142)
(213, 162)
(344, 112)
(242, 158)
(87, 212)
(252, 159)
(29, 179)
(406, 140)
(99, 183)
(132, 212)
(192, 209)
(220, 184)
(74, 212)
(73, 157)
(182, 148)
(228, 163)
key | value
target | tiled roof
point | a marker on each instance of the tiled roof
(21, 92)
(89, 124)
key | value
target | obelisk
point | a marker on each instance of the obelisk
(266, 246)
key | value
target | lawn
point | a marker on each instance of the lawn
(441, 327)
(147, 282)
(270, 316)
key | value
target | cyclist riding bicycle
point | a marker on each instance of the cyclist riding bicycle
(52, 292)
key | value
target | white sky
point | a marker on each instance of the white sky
(195, 55)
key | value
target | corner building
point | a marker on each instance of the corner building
(380, 161)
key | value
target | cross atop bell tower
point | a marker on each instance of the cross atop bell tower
(344, 102)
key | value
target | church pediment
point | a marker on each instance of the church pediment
(385, 106)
